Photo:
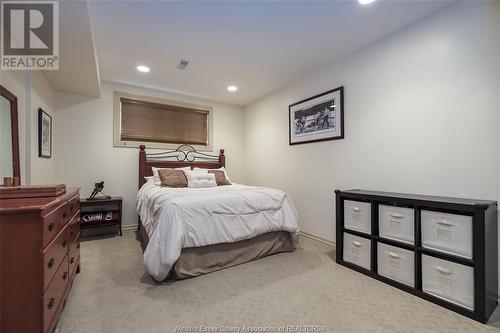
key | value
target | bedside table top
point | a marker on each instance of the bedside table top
(100, 200)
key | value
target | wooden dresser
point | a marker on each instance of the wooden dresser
(39, 258)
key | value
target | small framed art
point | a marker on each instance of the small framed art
(44, 134)
(317, 118)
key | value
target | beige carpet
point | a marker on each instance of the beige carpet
(114, 294)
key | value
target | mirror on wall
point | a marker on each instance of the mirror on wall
(9, 140)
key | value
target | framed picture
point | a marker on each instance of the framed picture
(318, 118)
(44, 134)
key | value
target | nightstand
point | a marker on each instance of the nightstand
(100, 213)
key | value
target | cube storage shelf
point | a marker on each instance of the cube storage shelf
(441, 249)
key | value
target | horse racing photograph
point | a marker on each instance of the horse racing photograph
(318, 118)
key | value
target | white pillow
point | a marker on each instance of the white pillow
(149, 178)
(200, 179)
(221, 169)
(157, 176)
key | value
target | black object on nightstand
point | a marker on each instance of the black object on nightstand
(98, 213)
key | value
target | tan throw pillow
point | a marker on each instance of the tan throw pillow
(172, 178)
(220, 177)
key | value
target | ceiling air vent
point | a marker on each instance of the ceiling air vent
(182, 64)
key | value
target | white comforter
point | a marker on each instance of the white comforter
(176, 218)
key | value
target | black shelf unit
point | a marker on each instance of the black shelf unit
(102, 205)
(484, 244)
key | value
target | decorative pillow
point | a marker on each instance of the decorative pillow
(200, 179)
(221, 169)
(157, 177)
(150, 178)
(172, 178)
(220, 177)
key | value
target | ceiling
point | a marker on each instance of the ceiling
(259, 46)
(78, 69)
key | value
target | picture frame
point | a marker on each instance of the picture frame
(44, 134)
(317, 118)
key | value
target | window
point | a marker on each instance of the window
(159, 123)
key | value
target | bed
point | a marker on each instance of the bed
(186, 232)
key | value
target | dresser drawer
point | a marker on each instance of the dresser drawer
(357, 250)
(396, 264)
(74, 228)
(54, 295)
(73, 206)
(74, 256)
(357, 216)
(448, 280)
(52, 223)
(397, 223)
(53, 256)
(449, 233)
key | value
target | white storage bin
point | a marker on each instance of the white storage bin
(357, 250)
(449, 233)
(448, 280)
(397, 223)
(357, 216)
(396, 264)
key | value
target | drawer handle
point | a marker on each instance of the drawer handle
(443, 270)
(51, 262)
(65, 275)
(71, 260)
(445, 223)
(356, 209)
(51, 303)
(78, 245)
(71, 208)
(71, 233)
(394, 255)
(355, 243)
(397, 215)
(64, 215)
(65, 243)
(50, 226)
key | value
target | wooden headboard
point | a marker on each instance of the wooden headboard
(183, 156)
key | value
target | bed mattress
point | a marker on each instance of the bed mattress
(175, 219)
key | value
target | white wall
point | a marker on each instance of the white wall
(422, 115)
(33, 91)
(85, 151)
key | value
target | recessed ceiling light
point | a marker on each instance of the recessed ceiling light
(142, 68)
(232, 88)
(366, 2)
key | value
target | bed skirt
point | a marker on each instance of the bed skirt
(195, 261)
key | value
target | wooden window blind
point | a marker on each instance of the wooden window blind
(163, 123)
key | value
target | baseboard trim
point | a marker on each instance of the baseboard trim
(318, 239)
(129, 227)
